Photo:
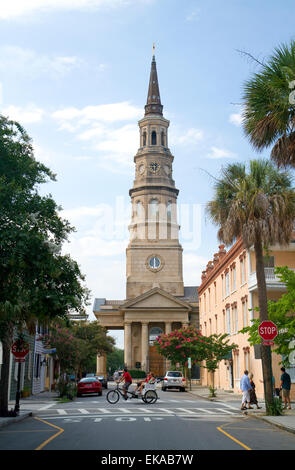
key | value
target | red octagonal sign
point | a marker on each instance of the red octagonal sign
(267, 331)
(20, 349)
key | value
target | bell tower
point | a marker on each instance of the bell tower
(154, 254)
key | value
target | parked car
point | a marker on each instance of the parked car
(174, 379)
(89, 385)
(103, 380)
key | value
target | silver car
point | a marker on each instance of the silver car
(174, 379)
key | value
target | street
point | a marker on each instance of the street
(178, 421)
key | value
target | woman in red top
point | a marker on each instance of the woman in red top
(128, 381)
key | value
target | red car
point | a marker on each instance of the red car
(89, 385)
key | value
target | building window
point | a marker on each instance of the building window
(233, 280)
(210, 327)
(246, 360)
(222, 283)
(237, 368)
(242, 265)
(215, 293)
(228, 329)
(235, 319)
(169, 205)
(154, 138)
(227, 284)
(162, 139)
(144, 139)
(154, 207)
(269, 261)
(138, 208)
(209, 297)
(245, 314)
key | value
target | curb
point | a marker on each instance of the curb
(16, 419)
(278, 425)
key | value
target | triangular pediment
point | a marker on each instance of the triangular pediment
(155, 298)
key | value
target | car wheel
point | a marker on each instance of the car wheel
(182, 389)
(79, 395)
(99, 394)
(164, 389)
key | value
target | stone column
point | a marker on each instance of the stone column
(128, 345)
(101, 365)
(168, 328)
(144, 345)
(185, 324)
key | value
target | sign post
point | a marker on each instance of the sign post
(19, 349)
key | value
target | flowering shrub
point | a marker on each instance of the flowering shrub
(179, 345)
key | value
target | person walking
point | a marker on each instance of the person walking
(245, 386)
(285, 386)
(253, 397)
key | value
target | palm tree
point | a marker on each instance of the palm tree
(259, 207)
(269, 110)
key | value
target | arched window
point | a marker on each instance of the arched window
(169, 206)
(163, 138)
(154, 138)
(138, 208)
(144, 139)
(153, 207)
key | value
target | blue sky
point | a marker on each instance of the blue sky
(75, 74)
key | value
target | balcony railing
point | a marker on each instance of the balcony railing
(272, 280)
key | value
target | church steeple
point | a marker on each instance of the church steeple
(153, 103)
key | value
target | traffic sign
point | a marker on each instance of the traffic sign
(267, 331)
(20, 349)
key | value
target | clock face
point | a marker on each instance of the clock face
(167, 169)
(154, 262)
(154, 167)
(141, 169)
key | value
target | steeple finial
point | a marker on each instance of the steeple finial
(153, 103)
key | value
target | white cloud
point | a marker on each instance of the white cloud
(28, 63)
(193, 265)
(221, 153)
(188, 137)
(113, 112)
(236, 119)
(18, 8)
(24, 115)
(193, 15)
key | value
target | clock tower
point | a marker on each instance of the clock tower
(154, 254)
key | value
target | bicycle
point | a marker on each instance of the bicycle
(148, 396)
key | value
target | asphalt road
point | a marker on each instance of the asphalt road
(178, 421)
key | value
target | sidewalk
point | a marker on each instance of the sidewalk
(285, 422)
(43, 397)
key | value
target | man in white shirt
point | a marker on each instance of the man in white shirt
(245, 387)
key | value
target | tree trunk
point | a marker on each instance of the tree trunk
(263, 315)
(4, 381)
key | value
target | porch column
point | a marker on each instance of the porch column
(101, 365)
(127, 345)
(168, 329)
(144, 345)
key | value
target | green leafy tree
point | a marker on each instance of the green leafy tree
(269, 110)
(95, 341)
(282, 313)
(259, 206)
(218, 347)
(115, 360)
(37, 282)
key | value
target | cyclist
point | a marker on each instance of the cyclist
(128, 381)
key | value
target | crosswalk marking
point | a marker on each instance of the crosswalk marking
(103, 410)
(46, 406)
(224, 411)
(205, 410)
(165, 410)
(186, 410)
(125, 410)
(146, 410)
(84, 412)
(61, 412)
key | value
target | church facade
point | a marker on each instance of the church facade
(156, 299)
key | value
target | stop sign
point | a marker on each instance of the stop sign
(20, 349)
(267, 330)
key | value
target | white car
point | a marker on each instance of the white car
(174, 379)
